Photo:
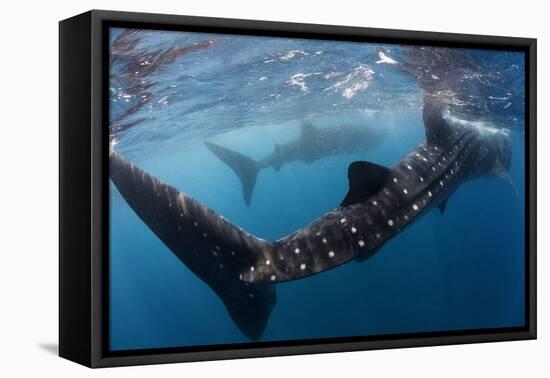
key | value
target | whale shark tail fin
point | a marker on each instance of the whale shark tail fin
(211, 247)
(244, 167)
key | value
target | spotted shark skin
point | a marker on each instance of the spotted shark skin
(242, 268)
(425, 178)
(210, 246)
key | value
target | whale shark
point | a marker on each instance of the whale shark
(243, 269)
(313, 144)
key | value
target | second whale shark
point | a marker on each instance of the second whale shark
(243, 269)
(314, 143)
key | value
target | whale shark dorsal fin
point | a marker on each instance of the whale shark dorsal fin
(438, 130)
(365, 179)
(307, 130)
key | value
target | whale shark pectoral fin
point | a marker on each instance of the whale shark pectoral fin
(365, 180)
(501, 171)
(244, 167)
(211, 247)
(365, 255)
(442, 206)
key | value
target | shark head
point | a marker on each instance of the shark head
(488, 147)
(493, 150)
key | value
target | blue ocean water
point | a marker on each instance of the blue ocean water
(171, 91)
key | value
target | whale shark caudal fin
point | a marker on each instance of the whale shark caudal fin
(210, 246)
(246, 168)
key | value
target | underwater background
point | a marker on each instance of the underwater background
(171, 91)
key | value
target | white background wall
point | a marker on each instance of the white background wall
(29, 174)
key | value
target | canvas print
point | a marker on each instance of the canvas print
(268, 189)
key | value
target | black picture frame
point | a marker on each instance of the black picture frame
(84, 179)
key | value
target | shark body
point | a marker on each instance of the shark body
(243, 269)
(313, 144)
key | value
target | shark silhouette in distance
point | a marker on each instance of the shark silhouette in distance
(313, 144)
(243, 269)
